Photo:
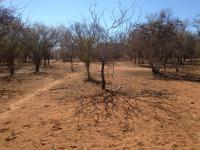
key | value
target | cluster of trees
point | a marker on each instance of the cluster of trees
(164, 40)
(20, 41)
(160, 41)
(87, 41)
(92, 40)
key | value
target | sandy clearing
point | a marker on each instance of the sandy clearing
(48, 118)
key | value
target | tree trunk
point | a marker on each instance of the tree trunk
(178, 64)
(103, 81)
(11, 65)
(135, 60)
(177, 68)
(164, 67)
(11, 68)
(25, 57)
(72, 65)
(29, 59)
(48, 58)
(45, 62)
(88, 70)
(48, 61)
(37, 67)
(155, 70)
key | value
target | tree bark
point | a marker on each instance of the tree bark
(25, 57)
(37, 67)
(11, 65)
(45, 62)
(48, 61)
(11, 68)
(72, 65)
(135, 61)
(88, 70)
(155, 70)
(177, 68)
(164, 67)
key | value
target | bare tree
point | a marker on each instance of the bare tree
(40, 41)
(50, 41)
(110, 37)
(11, 29)
(34, 44)
(68, 47)
(161, 40)
(85, 38)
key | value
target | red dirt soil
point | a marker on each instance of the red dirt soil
(43, 112)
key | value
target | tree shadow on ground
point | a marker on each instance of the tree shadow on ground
(93, 80)
(117, 103)
(178, 76)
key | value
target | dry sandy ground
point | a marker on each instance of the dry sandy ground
(44, 112)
